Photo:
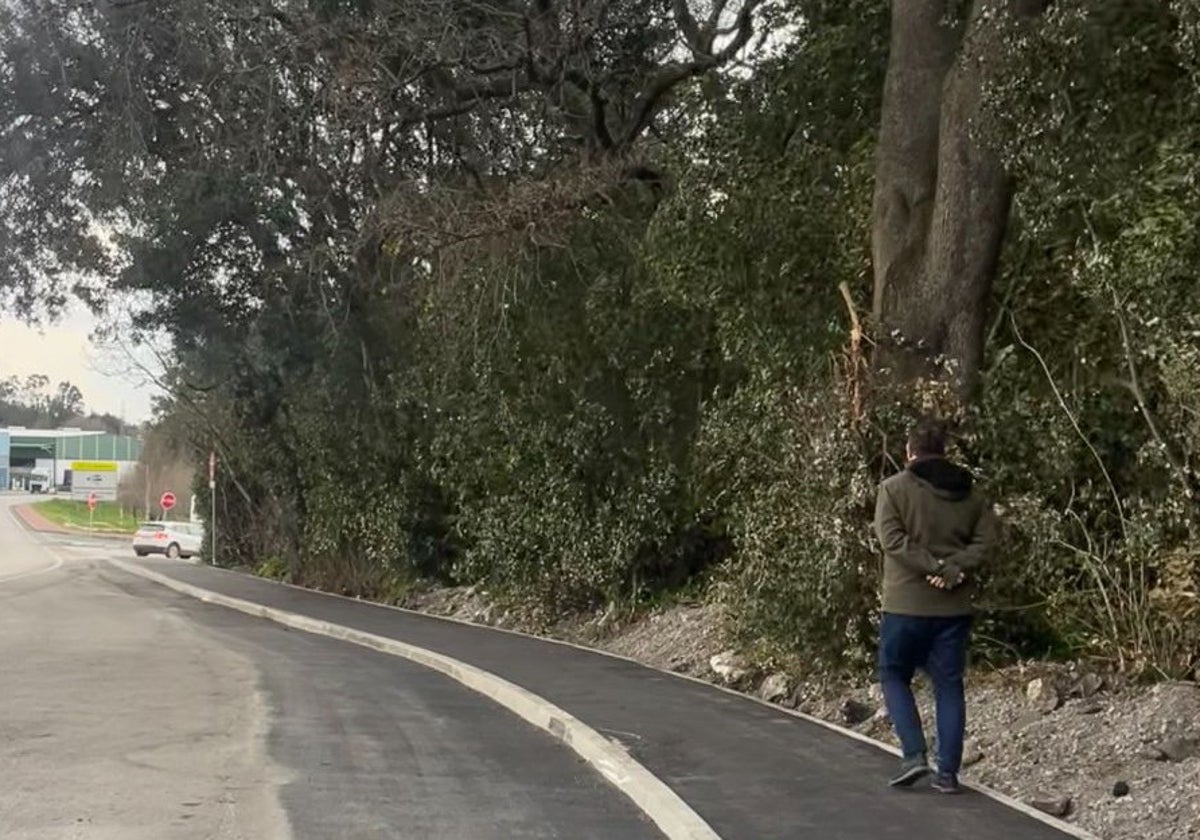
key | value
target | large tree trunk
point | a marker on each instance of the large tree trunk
(941, 194)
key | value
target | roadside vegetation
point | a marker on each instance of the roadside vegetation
(109, 517)
(589, 308)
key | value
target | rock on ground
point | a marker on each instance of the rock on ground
(775, 688)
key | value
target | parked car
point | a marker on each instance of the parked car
(174, 539)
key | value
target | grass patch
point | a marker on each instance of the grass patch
(110, 518)
(273, 567)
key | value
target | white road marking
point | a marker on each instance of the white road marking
(57, 561)
(34, 572)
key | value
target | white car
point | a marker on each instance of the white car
(174, 539)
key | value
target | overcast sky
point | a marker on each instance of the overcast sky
(109, 379)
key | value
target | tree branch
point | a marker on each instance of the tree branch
(1135, 387)
(692, 34)
(701, 43)
(599, 105)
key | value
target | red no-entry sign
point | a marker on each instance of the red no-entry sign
(167, 501)
(92, 501)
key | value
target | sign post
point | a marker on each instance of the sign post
(212, 492)
(91, 503)
(166, 503)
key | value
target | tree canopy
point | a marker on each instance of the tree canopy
(589, 299)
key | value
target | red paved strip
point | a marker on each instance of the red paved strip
(34, 521)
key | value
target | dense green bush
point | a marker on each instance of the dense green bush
(496, 342)
(799, 496)
(658, 391)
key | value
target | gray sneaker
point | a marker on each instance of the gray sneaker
(911, 771)
(946, 783)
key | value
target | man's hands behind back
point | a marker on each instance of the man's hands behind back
(946, 581)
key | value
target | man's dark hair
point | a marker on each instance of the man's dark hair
(927, 438)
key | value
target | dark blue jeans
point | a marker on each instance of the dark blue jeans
(939, 647)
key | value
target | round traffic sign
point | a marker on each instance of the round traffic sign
(92, 501)
(167, 501)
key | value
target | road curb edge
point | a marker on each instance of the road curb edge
(665, 808)
(1067, 828)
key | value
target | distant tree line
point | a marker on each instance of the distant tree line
(32, 403)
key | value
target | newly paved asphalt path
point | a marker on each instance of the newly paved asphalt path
(134, 712)
(128, 712)
(752, 771)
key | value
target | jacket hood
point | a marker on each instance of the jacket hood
(947, 480)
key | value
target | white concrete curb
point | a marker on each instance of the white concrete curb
(1065, 827)
(651, 795)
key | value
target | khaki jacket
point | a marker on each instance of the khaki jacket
(931, 520)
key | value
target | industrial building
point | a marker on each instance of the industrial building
(43, 460)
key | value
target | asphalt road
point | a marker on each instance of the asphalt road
(129, 712)
(752, 771)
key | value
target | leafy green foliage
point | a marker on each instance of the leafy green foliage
(565, 319)
(1086, 404)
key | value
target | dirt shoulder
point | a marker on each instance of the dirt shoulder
(1119, 760)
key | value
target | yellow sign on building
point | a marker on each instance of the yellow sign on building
(93, 466)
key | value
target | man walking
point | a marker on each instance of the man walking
(936, 531)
